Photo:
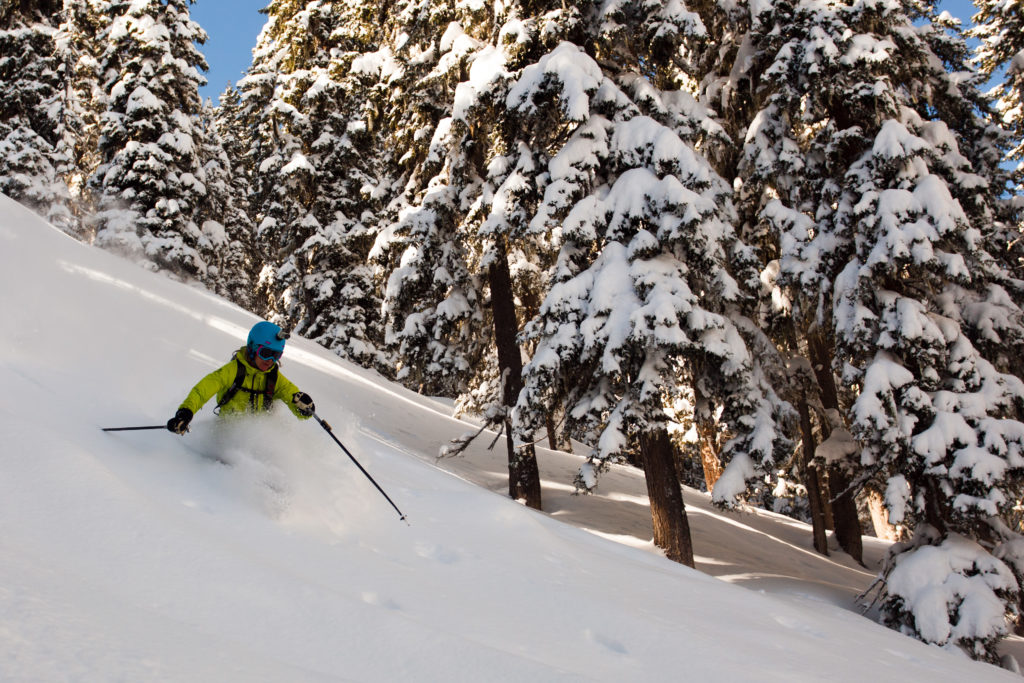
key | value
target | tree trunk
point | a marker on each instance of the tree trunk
(708, 456)
(812, 481)
(826, 499)
(844, 506)
(935, 509)
(668, 512)
(549, 423)
(844, 509)
(880, 517)
(707, 440)
(523, 473)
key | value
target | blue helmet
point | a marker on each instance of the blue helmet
(269, 336)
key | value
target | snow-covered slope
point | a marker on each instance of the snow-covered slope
(136, 556)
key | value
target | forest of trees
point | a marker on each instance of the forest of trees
(768, 250)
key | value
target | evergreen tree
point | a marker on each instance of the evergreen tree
(450, 291)
(433, 304)
(150, 179)
(32, 162)
(226, 241)
(999, 24)
(870, 178)
(311, 176)
(930, 338)
(638, 309)
(758, 73)
(78, 110)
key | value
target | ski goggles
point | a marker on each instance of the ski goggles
(267, 353)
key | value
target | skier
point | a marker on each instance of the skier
(248, 383)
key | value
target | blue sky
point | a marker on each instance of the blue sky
(233, 26)
(962, 10)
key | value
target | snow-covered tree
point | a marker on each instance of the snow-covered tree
(150, 179)
(778, 97)
(77, 111)
(932, 341)
(638, 307)
(311, 190)
(449, 306)
(871, 173)
(433, 305)
(32, 162)
(226, 241)
(741, 76)
(999, 24)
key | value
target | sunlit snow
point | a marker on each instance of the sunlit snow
(256, 551)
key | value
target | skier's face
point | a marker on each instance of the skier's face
(264, 357)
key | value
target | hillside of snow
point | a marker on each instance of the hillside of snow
(256, 551)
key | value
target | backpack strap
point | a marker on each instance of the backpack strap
(233, 389)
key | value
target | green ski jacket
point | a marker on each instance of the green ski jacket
(253, 394)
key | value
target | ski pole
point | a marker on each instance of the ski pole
(328, 429)
(132, 429)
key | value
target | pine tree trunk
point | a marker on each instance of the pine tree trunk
(844, 506)
(523, 473)
(708, 455)
(826, 500)
(880, 517)
(549, 424)
(668, 512)
(708, 444)
(935, 512)
(812, 481)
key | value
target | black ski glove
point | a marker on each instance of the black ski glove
(304, 404)
(179, 423)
